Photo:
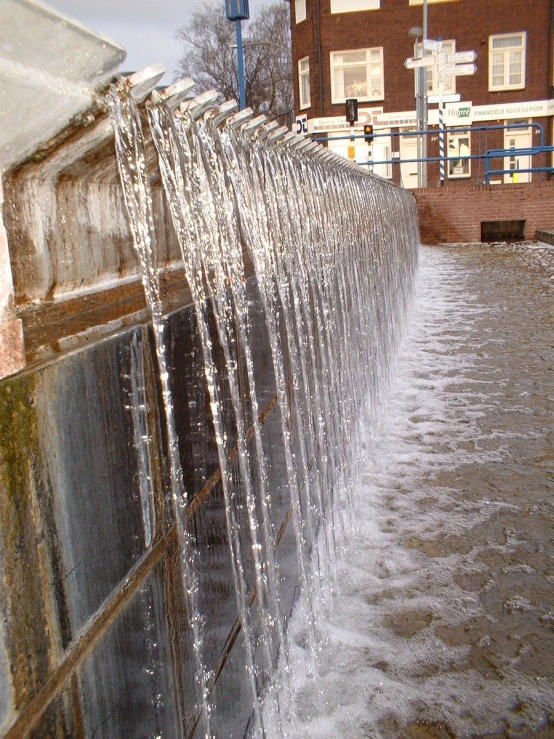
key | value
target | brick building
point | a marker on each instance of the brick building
(357, 49)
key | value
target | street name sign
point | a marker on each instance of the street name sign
(431, 45)
(458, 70)
(460, 57)
(421, 61)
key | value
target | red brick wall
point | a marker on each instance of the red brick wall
(454, 214)
(469, 22)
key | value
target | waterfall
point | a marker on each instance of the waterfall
(324, 255)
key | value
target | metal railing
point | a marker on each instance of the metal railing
(487, 156)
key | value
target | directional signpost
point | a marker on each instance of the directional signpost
(461, 57)
(431, 45)
(450, 65)
(446, 65)
(419, 61)
(457, 70)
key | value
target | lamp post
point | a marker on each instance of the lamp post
(237, 11)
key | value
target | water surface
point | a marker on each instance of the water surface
(444, 624)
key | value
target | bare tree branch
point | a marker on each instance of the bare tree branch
(210, 59)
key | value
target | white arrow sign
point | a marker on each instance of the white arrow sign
(457, 70)
(461, 56)
(431, 45)
(421, 61)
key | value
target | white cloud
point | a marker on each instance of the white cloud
(145, 28)
(146, 45)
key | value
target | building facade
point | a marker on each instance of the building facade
(357, 49)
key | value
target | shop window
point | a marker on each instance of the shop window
(507, 61)
(352, 6)
(300, 10)
(304, 82)
(459, 146)
(357, 74)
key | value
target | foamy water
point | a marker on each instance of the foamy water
(444, 622)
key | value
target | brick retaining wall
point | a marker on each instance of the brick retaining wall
(454, 214)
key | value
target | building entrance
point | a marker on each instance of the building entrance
(408, 170)
(517, 138)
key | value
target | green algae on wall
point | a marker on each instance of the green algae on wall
(24, 611)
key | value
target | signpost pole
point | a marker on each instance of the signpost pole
(425, 113)
(445, 65)
(441, 126)
(441, 140)
(421, 73)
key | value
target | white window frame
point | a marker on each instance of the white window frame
(300, 10)
(461, 170)
(368, 64)
(303, 73)
(522, 47)
(353, 6)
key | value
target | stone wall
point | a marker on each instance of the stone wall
(95, 638)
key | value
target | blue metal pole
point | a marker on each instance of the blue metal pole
(240, 62)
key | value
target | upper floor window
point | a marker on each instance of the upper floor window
(357, 74)
(351, 6)
(300, 10)
(304, 82)
(448, 47)
(507, 61)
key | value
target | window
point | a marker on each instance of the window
(357, 74)
(459, 145)
(507, 62)
(351, 6)
(448, 47)
(300, 10)
(304, 82)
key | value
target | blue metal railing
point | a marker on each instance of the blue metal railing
(487, 156)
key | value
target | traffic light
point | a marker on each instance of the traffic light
(368, 133)
(352, 110)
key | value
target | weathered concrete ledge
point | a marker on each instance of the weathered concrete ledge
(546, 237)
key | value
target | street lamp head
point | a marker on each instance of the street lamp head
(237, 10)
(415, 32)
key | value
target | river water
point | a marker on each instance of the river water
(444, 622)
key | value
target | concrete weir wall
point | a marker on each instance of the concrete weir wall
(95, 637)
(97, 625)
(97, 630)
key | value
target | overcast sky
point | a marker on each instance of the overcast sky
(145, 28)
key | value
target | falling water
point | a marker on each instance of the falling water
(208, 239)
(333, 252)
(131, 157)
